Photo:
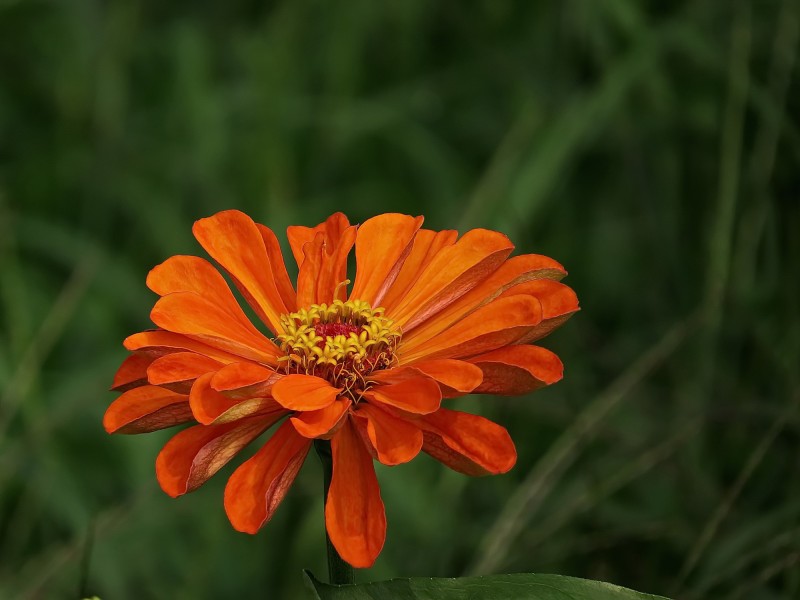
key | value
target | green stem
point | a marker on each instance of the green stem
(339, 571)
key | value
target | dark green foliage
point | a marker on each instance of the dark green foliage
(652, 148)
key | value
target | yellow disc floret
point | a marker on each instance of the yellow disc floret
(343, 342)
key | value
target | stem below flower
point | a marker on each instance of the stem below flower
(339, 571)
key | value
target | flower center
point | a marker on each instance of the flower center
(342, 342)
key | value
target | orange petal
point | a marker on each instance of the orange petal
(517, 370)
(192, 456)
(452, 273)
(234, 241)
(278, 267)
(132, 372)
(382, 245)
(455, 377)
(514, 271)
(178, 370)
(332, 229)
(467, 443)
(419, 395)
(395, 441)
(157, 342)
(244, 380)
(147, 408)
(427, 245)
(322, 423)
(307, 278)
(210, 406)
(194, 274)
(500, 323)
(304, 392)
(354, 513)
(191, 314)
(334, 266)
(559, 303)
(257, 487)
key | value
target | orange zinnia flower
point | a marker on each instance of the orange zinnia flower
(429, 316)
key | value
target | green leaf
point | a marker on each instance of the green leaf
(521, 586)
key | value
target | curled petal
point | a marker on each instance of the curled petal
(332, 229)
(452, 273)
(516, 370)
(354, 513)
(178, 370)
(467, 443)
(192, 456)
(132, 372)
(322, 423)
(234, 241)
(500, 323)
(191, 314)
(258, 486)
(395, 440)
(304, 392)
(420, 395)
(147, 408)
(382, 245)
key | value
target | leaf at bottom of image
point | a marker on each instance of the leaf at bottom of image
(519, 586)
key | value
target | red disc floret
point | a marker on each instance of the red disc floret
(333, 329)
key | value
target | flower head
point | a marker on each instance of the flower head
(429, 316)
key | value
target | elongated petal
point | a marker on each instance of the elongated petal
(452, 273)
(210, 406)
(324, 422)
(420, 395)
(382, 244)
(244, 380)
(278, 267)
(147, 408)
(395, 441)
(515, 270)
(234, 241)
(178, 370)
(191, 314)
(132, 372)
(157, 342)
(304, 392)
(467, 443)
(517, 370)
(500, 323)
(192, 456)
(354, 513)
(559, 302)
(427, 245)
(258, 486)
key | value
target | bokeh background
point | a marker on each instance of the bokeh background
(652, 148)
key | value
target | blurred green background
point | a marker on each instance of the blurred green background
(652, 148)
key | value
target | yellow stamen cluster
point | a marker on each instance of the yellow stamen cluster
(342, 341)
